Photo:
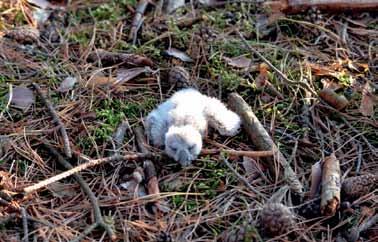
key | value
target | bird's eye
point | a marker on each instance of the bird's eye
(173, 149)
(191, 148)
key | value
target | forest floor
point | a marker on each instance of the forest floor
(325, 106)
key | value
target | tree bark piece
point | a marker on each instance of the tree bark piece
(261, 139)
(297, 6)
(330, 196)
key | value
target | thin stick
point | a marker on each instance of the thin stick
(87, 190)
(284, 77)
(148, 166)
(82, 167)
(138, 19)
(247, 153)
(241, 178)
(25, 225)
(56, 119)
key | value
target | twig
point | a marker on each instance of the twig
(87, 190)
(119, 135)
(282, 75)
(74, 170)
(263, 141)
(251, 154)
(25, 225)
(148, 166)
(138, 19)
(53, 113)
(241, 178)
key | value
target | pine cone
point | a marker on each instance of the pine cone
(354, 187)
(276, 219)
(310, 210)
(179, 77)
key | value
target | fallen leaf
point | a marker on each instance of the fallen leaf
(248, 165)
(22, 98)
(171, 5)
(178, 54)
(67, 84)
(262, 78)
(330, 84)
(367, 102)
(41, 3)
(240, 62)
(61, 190)
(99, 79)
(316, 178)
(124, 75)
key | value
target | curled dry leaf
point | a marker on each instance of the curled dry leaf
(368, 100)
(332, 98)
(99, 79)
(330, 196)
(316, 178)
(124, 75)
(67, 84)
(178, 54)
(109, 58)
(22, 98)
(61, 190)
(240, 62)
(171, 5)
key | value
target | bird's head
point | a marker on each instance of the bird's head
(183, 143)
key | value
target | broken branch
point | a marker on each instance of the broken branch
(79, 168)
(251, 154)
(87, 190)
(261, 139)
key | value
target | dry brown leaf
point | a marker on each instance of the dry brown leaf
(61, 190)
(99, 79)
(330, 84)
(22, 98)
(367, 102)
(262, 78)
(178, 54)
(238, 62)
(124, 75)
(67, 84)
(316, 178)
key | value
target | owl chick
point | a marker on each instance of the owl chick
(180, 123)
